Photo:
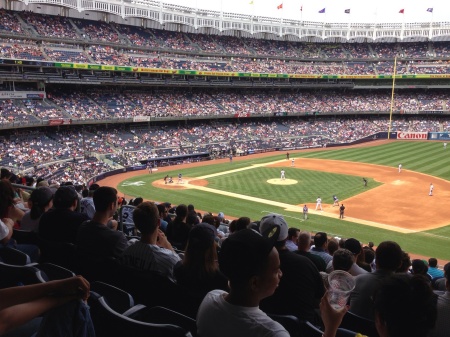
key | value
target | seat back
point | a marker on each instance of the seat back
(59, 253)
(359, 324)
(126, 223)
(109, 322)
(118, 299)
(307, 329)
(13, 256)
(54, 272)
(94, 267)
(12, 275)
(289, 322)
(25, 237)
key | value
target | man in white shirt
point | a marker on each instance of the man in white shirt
(252, 265)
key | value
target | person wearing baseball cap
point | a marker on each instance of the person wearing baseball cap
(301, 287)
(252, 266)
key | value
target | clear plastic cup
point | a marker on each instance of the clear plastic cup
(340, 286)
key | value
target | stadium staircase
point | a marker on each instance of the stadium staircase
(79, 32)
(25, 26)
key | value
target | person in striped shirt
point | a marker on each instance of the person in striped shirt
(153, 252)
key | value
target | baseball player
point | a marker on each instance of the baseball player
(399, 168)
(293, 162)
(319, 203)
(180, 178)
(365, 182)
(431, 190)
(282, 175)
(445, 145)
(305, 212)
(336, 201)
(341, 211)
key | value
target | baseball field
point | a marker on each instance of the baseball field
(394, 205)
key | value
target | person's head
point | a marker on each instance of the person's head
(146, 218)
(105, 199)
(162, 211)
(369, 255)
(242, 223)
(404, 306)
(320, 240)
(6, 197)
(41, 199)
(304, 241)
(191, 208)
(342, 259)
(447, 275)
(419, 267)
(200, 256)
(181, 211)
(388, 256)
(293, 234)
(332, 246)
(354, 246)
(406, 263)
(65, 198)
(271, 220)
(251, 263)
(209, 219)
(432, 262)
(138, 201)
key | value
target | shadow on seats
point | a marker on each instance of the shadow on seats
(13, 275)
(59, 253)
(359, 324)
(108, 322)
(13, 256)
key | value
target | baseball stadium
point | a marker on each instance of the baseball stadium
(236, 111)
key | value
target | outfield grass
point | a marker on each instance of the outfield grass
(426, 157)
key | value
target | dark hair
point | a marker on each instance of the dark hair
(103, 197)
(432, 262)
(419, 267)
(406, 305)
(388, 255)
(40, 198)
(319, 239)
(242, 223)
(65, 197)
(342, 259)
(369, 255)
(333, 245)
(292, 231)
(146, 217)
(181, 211)
(6, 197)
(161, 208)
(200, 256)
(138, 201)
(406, 263)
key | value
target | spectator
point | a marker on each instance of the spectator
(40, 201)
(252, 266)
(94, 236)
(320, 246)
(153, 252)
(433, 269)
(292, 240)
(301, 287)
(61, 223)
(178, 230)
(343, 259)
(388, 258)
(443, 307)
(304, 245)
(87, 204)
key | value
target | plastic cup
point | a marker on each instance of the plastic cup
(340, 286)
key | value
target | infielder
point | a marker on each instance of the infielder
(293, 162)
(399, 168)
(305, 212)
(319, 203)
(180, 178)
(445, 145)
(431, 190)
(336, 201)
(282, 175)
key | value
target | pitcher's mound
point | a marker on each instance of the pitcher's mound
(279, 181)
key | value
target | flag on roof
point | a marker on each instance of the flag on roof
(347, 11)
(301, 8)
(430, 10)
(402, 11)
(322, 10)
(280, 6)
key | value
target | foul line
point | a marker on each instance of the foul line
(287, 207)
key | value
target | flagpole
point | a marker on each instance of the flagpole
(392, 96)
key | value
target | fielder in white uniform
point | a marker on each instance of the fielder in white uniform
(282, 175)
(319, 203)
(399, 168)
(431, 189)
(293, 162)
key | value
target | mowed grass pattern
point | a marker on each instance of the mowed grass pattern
(426, 157)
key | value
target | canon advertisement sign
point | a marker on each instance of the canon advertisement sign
(412, 135)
